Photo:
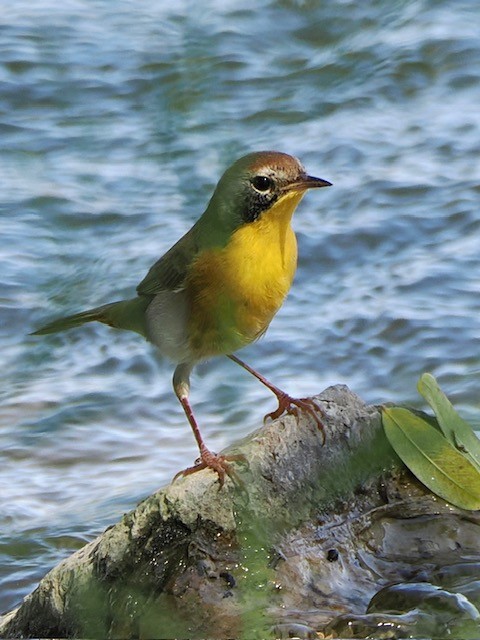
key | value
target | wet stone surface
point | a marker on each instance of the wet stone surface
(303, 550)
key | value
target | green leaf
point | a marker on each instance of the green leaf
(457, 431)
(431, 458)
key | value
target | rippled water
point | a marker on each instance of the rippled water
(116, 121)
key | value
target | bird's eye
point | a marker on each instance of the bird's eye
(262, 183)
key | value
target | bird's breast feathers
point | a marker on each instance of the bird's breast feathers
(235, 291)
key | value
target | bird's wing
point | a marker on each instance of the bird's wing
(170, 271)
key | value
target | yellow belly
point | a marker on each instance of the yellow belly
(234, 292)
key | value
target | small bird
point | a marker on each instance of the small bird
(217, 289)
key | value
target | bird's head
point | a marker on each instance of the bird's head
(255, 183)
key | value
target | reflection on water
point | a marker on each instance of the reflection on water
(116, 123)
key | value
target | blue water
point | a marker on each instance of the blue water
(116, 121)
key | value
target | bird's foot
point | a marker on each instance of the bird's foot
(294, 406)
(218, 463)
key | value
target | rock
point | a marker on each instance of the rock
(309, 538)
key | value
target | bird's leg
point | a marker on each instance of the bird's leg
(208, 459)
(286, 403)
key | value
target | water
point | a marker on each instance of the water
(117, 119)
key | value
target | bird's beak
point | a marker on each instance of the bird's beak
(308, 182)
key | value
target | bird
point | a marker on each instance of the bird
(218, 288)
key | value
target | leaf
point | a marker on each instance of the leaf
(431, 458)
(457, 431)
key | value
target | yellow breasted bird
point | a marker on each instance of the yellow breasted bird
(217, 289)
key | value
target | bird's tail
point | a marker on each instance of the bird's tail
(125, 314)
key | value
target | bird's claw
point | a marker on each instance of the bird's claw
(218, 463)
(293, 406)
